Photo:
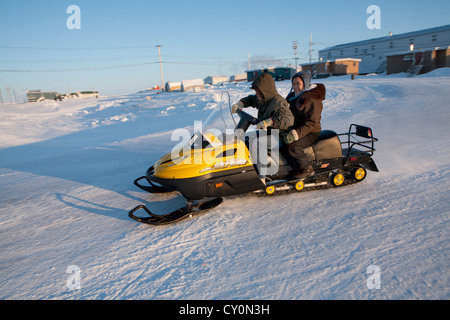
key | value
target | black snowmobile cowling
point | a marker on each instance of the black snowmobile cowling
(220, 163)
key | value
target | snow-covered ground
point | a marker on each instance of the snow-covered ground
(66, 186)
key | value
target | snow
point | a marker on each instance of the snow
(66, 186)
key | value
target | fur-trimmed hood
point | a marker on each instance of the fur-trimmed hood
(316, 91)
(307, 110)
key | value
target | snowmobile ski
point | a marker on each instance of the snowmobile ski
(188, 211)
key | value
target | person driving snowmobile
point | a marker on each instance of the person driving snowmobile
(306, 105)
(273, 110)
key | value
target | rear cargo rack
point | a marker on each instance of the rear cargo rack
(361, 137)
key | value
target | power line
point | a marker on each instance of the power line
(205, 63)
(325, 44)
(185, 61)
(73, 48)
(69, 60)
(80, 69)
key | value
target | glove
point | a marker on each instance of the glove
(239, 105)
(291, 136)
(265, 123)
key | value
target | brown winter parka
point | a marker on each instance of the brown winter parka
(308, 110)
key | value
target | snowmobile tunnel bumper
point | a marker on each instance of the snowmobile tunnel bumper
(152, 188)
(370, 165)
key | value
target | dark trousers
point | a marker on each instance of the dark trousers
(294, 153)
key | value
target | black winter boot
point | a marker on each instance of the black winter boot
(304, 174)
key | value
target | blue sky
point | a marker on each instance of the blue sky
(115, 49)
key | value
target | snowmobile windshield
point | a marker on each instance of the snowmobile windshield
(220, 118)
(199, 141)
(218, 127)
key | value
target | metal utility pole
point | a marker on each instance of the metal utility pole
(310, 47)
(8, 89)
(311, 43)
(295, 46)
(160, 67)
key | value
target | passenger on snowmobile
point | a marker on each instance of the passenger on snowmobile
(273, 110)
(305, 102)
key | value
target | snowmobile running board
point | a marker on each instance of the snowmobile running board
(188, 211)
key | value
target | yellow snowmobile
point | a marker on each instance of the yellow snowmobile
(224, 158)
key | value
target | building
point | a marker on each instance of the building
(216, 79)
(194, 84)
(82, 94)
(87, 94)
(373, 52)
(418, 61)
(38, 95)
(173, 86)
(278, 73)
(337, 67)
(241, 77)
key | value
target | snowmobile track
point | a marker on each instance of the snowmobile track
(288, 187)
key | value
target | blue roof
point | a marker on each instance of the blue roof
(388, 38)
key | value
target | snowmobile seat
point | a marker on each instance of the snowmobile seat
(327, 146)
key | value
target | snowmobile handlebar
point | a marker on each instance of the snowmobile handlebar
(246, 120)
